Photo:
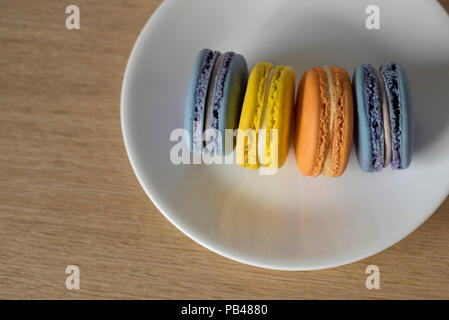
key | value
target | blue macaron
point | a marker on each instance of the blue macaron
(214, 100)
(383, 121)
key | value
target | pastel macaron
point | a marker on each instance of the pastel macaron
(383, 123)
(214, 100)
(264, 135)
(324, 122)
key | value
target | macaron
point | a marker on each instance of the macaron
(214, 100)
(264, 134)
(324, 122)
(383, 123)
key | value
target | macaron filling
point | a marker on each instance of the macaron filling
(327, 160)
(210, 91)
(273, 129)
(374, 112)
(213, 96)
(323, 143)
(391, 80)
(201, 93)
(339, 126)
(386, 120)
(262, 134)
(217, 100)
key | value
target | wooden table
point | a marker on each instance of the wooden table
(68, 195)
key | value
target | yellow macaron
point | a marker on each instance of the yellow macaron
(265, 122)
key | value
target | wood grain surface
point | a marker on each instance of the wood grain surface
(68, 194)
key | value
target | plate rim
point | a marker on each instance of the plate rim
(145, 186)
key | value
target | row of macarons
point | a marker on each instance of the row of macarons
(328, 115)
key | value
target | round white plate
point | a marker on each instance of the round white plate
(288, 221)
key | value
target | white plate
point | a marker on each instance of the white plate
(288, 221)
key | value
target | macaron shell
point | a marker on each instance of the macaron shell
(307, 127)
(406, 117)
(362, 129)
(279, 115)
(251, 114)
(231, 100)
(343, 122)
(190, 103)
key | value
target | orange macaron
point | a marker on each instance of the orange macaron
(324, 122)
